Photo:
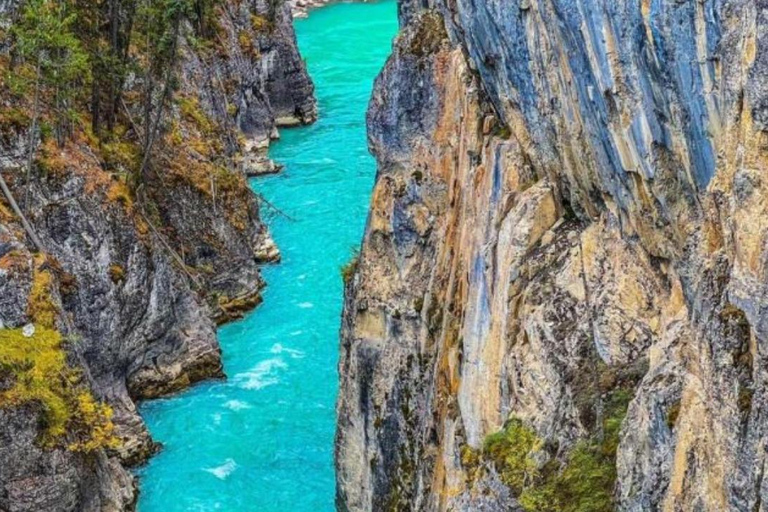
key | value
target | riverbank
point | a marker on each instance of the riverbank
(302, 8)
(264, 438)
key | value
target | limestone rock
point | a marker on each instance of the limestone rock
(569, 207)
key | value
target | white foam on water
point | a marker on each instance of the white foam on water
(216, 419)
(306, 305)
(297, 333)
(277, 348)
(261, 375)
(237, 405)
(223, 471)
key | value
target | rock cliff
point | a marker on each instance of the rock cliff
(121, 300)
(560, 303)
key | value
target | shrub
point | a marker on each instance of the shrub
(510, 450)
(348, 270)
(260, 24)
(40, 306)
(246, 43)
(116, 273)
(584, 483)
(13, 120)
(192, 112)
(121, 155)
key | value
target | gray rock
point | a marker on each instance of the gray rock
(138, 291)
(569, 208)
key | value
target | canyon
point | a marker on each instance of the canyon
(560, 299)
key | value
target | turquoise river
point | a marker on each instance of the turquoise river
(263, 439)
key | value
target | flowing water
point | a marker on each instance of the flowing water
(263, 439)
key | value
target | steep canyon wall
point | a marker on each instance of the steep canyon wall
(134, 279)
(560, 300)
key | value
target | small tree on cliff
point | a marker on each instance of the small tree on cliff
(160, 22)
(46, 43)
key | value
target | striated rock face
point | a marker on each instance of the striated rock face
(260, 76)
(567, 233)
(136, 287)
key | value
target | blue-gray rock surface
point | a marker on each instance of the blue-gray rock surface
(569, 214)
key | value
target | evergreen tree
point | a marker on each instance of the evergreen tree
(44, 41)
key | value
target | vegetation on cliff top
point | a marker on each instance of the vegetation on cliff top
(93, 88)
(103, 74)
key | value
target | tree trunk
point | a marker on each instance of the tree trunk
(15, 207)
(155, 128)
(32, 133)
(113, 73)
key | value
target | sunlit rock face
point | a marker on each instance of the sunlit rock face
(570, 207)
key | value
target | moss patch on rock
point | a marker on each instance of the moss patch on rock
(349, 269)
(583, 482)
(34, 369)
(40, 305)
(511, 451)
(429, 35)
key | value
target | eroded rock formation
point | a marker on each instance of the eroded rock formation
(135, 280)
(566, 246)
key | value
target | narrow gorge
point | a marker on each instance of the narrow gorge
(405, 255)
(263, 439)
(133, 248)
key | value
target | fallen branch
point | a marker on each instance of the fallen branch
(27, 226)
(273, 207)
(136, 129)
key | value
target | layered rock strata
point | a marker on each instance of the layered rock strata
(566, 242)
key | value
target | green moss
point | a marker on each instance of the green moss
(261, 24)
(429, 35)
(13, 120)
(510, 450)
(745, 400)
(37, 367)
(503, 131)
(192, 112)
(471, 461)
(116, 273)
(38, 373)
(583, 483)
(672, 414)
(247, 44)
(434, 316)
(40, 305)
(418, 304)
(121, 155)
